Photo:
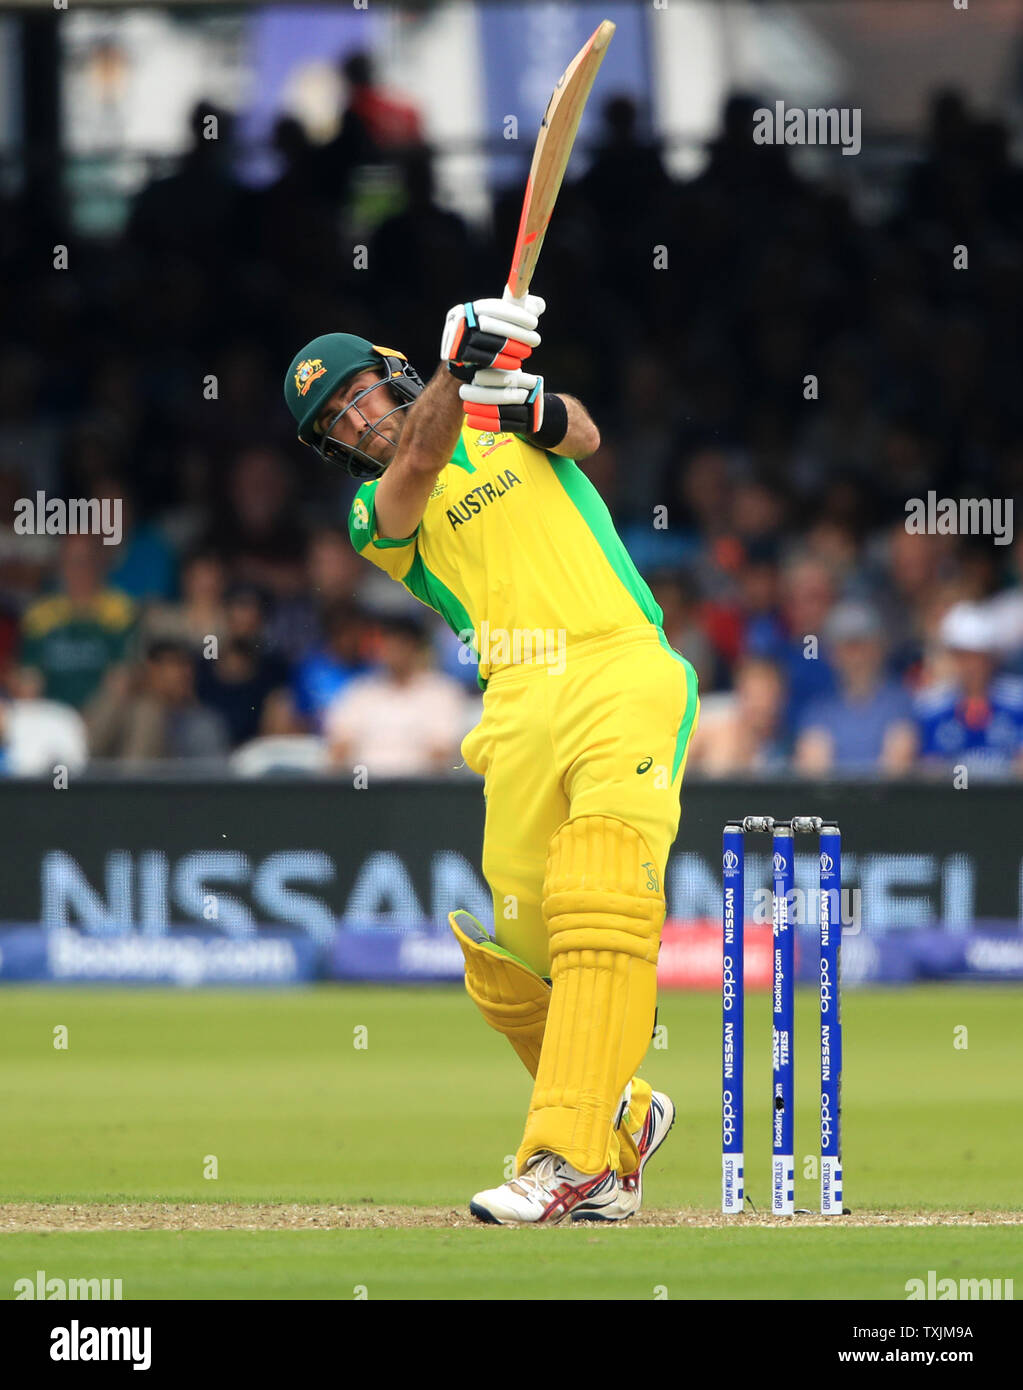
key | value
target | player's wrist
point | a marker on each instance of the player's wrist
(462, 371)
(553, 422)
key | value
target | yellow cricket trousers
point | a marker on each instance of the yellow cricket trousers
(607, 736)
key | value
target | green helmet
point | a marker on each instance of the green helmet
(327, 363)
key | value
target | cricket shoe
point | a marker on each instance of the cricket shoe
(656, 1127)
(549, 1190)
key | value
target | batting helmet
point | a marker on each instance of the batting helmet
(326, 364)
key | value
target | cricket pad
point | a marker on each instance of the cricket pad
(604, 908)
(510, 996)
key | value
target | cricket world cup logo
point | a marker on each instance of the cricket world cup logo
(730, 861)
(827, 864)
(780, 863)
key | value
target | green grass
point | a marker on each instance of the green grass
(564, 1262)
(271, 1085)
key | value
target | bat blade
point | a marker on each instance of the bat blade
(550, 156)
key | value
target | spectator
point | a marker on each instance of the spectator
(867, 725)
(976, 719)
(623, 160)
(915, 566)
(647, 430)
(323, 673)
(758, 622)
(26, 429)
(38, 736)
(333, 574)
(334, 569)
(9, 636)
(930, 184)
(741, 169)
(193, 209)
(201, 613)
(25, 559)
(743, 730)
(144, 564)
(246, 611)
(389, 122)
(240, 677)
(303, 199)
(237, 685)
(808, 592)
(275, 755)
(1007, 611)
(704, 485)
(676, 594)
(257, 532)
(160, 718)
(844, 437)
(77, 637)
(403, 721)
(299, 182)
(424, 250)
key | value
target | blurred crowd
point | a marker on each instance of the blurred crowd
(234, 622)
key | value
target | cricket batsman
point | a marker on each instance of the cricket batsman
(474, 501)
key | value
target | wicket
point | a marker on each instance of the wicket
(733, 999)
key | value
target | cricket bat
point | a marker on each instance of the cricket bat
(550, 157)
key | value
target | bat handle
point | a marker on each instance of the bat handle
(510, 298)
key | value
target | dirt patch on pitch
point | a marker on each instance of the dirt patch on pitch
(216, 1216)
(804, 1219)
(222, 1216)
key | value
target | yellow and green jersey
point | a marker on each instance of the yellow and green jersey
(514, 539)
(74, 645)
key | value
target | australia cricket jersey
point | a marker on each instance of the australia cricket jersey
(513, 540)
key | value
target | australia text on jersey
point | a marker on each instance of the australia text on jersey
(479, 497)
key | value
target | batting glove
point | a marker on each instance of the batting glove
(490, 333)
(504, 402)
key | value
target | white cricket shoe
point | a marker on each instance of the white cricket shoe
(549, 1190)
(656, 1127)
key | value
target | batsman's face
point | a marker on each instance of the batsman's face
(357, 419)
